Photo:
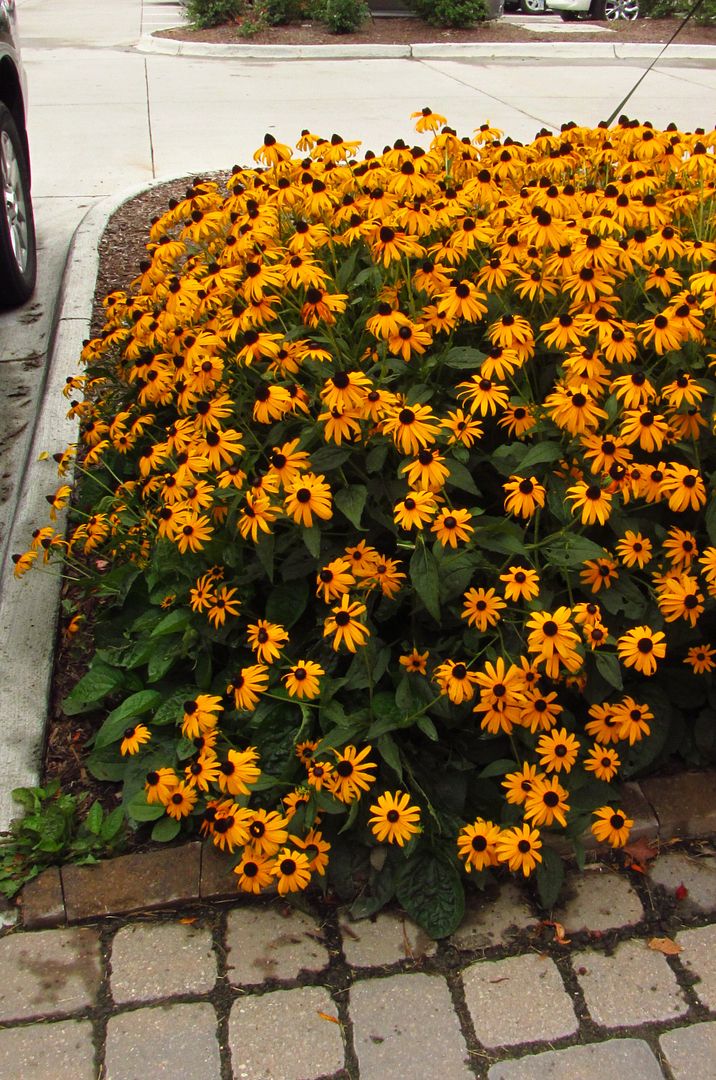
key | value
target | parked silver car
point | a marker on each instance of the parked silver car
(602, 10)
(18, 254)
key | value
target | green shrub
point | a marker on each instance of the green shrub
(455, 13)
(342, 16)
(281, 12)
(205, 13)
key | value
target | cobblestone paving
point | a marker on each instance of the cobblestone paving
(235, 990)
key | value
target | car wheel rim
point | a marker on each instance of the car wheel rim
(15, 207)
(621, 9)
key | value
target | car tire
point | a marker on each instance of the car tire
(569, 16)
(532, 7)
(611, 10)
(18, 253)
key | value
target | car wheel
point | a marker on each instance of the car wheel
(532, 7)
(18, 254)
(611, 10)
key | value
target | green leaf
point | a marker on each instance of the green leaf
(162, 659)
(550, 877)
(287, 603)
(99, 681)
(312, 540)
(461, 478)
(425, 724)
(569, 552)
(375, 458)
(171, 709)
(134, 706)
(112, 825)
(609, 668)
(165, 829)
(351, 501)
(426, 579)
(390, 753)
(463, 358)
(505, 538)
(387, 715)
(710, 520)
(172, 623)
(540, 454)
(95, 817)
(506, 458)
(327, 458)
(139, 809)
(497, 768)
(265, 552)
(430, 890)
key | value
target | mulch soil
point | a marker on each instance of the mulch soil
(411, 31)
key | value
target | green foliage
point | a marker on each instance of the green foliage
(205, 13)
(678, 9)
(341, 16)
(454, 13)
(53, 830)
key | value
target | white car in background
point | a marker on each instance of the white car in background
(602, 10)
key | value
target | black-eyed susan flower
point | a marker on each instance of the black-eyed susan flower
(634, 549)
(539, 711)
(463, 428)
(224, 602)
(302, 679)
(644, 426)
(181, 801)
(642, 648)
(253, 872)
(603, 762)
(611, 827)
(482, 608)
(247, 686)
(393, 819)
(306, 496)
(680, 598)
(315, 848)
(518, 785)
(519, 847)
(680, 547)
(557, 750)
(452, 526)
(415, 510)
(599, 572)
(352, 774)
(554, 641)
(344, 623)
(266, 639)
(427, 471)
(415, 662)
(201, 714)
(547, 803)
(701, 659)
(412, 427)
(159, 784)
(133, 739)
(591, 501)
(267, 831)
(520, 583)
(683, 487)
(524, 495)
(387, 576)
(477, 844)
(334, 579)
(455, 680)
(603, 725)
(290, 869)
(483, 395)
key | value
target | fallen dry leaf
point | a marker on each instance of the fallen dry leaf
(327, 1016)
(640, 854)
(560, 935)
(188, 922)
(664, 945)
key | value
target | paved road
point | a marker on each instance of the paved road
(105, 118)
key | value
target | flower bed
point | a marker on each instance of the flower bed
(394, 504)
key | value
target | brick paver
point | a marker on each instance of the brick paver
(492, 920)
(518, 1000)
(403, 1026)
(264, 991)
(599, 899)
(699, 958)
(272, 942)
(286, 1035)
(159, 960)
(633, 986)
(48, 973)
(166, 1041)
(691, 1051)
(678, 870)
(612, 1060)
(63, 1050)
(385, 940)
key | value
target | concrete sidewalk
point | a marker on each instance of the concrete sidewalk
(266, 992)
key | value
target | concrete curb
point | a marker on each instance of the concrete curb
(29, 607)
(663, 809)
(527, 50)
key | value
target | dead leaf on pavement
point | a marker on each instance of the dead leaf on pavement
(327, 1016)
(640, 854)
(664, 945)
(560, 935)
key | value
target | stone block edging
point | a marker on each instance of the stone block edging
(679, 807)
